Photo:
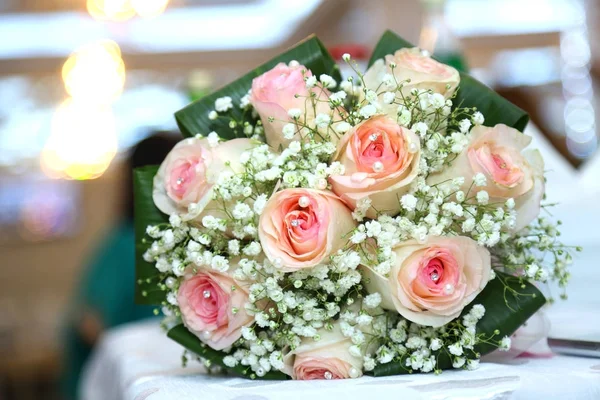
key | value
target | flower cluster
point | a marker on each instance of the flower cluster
(352, 225)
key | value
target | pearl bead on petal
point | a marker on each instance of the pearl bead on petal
(328, 375)
(354, 373)
(373, 137)
(435, 277)
(412, 147)
(206, 294)
(205, 335)
(304, 202)
(377, 166)
(179, 181)
(448, 288)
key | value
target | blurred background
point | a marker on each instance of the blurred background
(82, 82)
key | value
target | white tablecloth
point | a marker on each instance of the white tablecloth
(139, 362)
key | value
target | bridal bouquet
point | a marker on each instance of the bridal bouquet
(316, 227)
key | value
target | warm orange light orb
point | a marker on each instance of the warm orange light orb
(114, 10)
(122, 10)
(95, 72)
(149, 8)
(83, 141)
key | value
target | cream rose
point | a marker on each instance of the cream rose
(212, 308)
(381, 159)
(498, 154)
(327, 358)
(300, 228)
(431, 283)
(423, 72)
(283, 88)
(189, 172)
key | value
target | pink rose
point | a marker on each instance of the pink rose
(431, 283)
(381, 159)
(497, 153)
(189, 172)
(327, 358)
(212, 308)
(281, 89)
(423, 71)
(300, 228)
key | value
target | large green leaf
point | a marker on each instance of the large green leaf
(184, 337)
(146, 214)
(471, 93)
(194, 119)
(388, 44)
(508, 302)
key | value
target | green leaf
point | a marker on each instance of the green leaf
(509, 302)
(507, 306)
(145, 213)
(194, 119)
(184, 337)
(388, 44)
(471, 93)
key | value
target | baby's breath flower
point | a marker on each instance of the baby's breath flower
(504, 344)
(478, 118)
(458, 362)
(479, 179)
(294, 113)
(322, 120)
(223, 104)
(483, 197)
(455, 349)
(327, 81)
(473, 364)
(408, 202)
(311, 81)
(342, 127)
(435, 344)
(220, 263)
(421, 128)
(368, 111)
(372, 300)
(464, 125)
(213, 139)
(289, 130)
(358, 237)
(389, 97)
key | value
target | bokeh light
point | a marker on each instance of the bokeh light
(123, 10)
(149, 8)
(578, 90)
(83, 141)
(95, 73)
(114, 10)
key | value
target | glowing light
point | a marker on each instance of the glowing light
(122, 10)
(115, 10)
(83, 141)
(95, 73)
(149, 8)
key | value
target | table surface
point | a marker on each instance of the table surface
(138, 362)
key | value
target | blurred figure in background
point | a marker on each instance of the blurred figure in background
(105, 295)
